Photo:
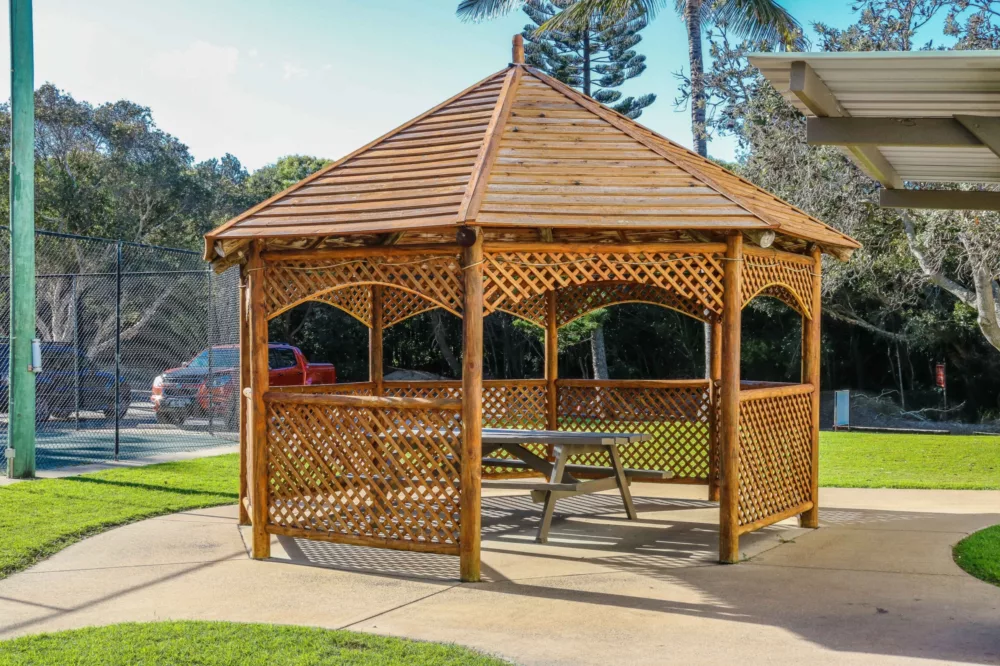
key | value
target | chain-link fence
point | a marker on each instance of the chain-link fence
(139, 350)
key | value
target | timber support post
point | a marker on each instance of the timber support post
(729, 435)
(376, 372)
(811, 355)
(715, 442)
(260, 547)
(472, 409)
(551, 362)
(243, 405)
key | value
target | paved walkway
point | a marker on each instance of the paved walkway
(875, 584)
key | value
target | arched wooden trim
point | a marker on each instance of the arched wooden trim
(616, 303)
(793, 300)
(389, 287)
(518, 315)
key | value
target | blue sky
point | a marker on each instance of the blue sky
(262, 79)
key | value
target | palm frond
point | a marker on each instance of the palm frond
(482, 10)
(759, 21)
(583, 12)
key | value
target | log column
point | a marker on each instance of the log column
(242, 401)
(729, 436)
(551, 362)
(472, 408)
(714, 376)
(260, 547)
(811, 344)
(375, 369)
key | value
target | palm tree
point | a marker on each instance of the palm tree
(753, 20)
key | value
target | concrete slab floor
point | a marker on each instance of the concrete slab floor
(876, 584)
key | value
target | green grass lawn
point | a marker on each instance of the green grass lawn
(979, 554)
(38, 518)
(875, 460)
(228, 644)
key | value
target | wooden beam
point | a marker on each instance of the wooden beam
(805, 84)
(715, 375)
(985, 128)
(551, 360)
(243, 402)
(947, 132)
(472, 411)
(260, 546)
(375, 369)
(811, 348)
(940, 199)
(763, 239)
(729, 430)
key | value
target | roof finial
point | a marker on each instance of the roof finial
(518, 51)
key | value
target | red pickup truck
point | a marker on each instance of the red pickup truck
(209, 383)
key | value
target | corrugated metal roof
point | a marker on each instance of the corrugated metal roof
(910, 84)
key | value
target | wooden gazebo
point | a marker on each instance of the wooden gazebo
(518, 194)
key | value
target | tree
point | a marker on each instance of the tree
(596, 57)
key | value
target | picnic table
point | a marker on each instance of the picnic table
(561, 480)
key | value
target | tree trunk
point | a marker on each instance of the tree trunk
(442, 342)
(598, 353)
(692, 21)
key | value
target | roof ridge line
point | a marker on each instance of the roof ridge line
(210, 236)
(473, 198)
(635, 130)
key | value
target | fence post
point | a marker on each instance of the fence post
(209, 383)
(118, 345)
(76, 354)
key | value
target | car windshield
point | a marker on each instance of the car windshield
(222, 357)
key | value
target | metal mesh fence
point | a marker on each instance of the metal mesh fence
(138, 344)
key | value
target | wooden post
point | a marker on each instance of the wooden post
(244, 412)
(729, 435)
(811, 343)
(472, 409)
(715, 376)
(551, 362)
(260, 547)
(517, 50)
(375, 370)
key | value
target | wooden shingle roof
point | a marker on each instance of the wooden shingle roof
(520, 150)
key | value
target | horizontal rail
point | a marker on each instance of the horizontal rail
(775, 392)
(774, 518)
(344, 387)
(371, 402)
(364, 251)
(778, 255)
(633, 383)
(374, 542)
(606, 248)
(513, 383)
(423, 383)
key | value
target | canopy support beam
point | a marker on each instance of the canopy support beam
(940, 199)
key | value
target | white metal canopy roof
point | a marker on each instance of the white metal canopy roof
(919, 116)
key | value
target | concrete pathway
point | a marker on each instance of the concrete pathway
(875, 584)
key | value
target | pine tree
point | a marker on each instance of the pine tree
(596, 58)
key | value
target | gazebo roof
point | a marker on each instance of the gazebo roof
(520, 152)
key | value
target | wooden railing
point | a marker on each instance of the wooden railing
(775, 454)
(364, 470)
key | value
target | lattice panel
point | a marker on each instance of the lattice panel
(437, 277)
(513, 277)
(365, 473)
(399, 304)
(676, 418)
(775, 458)
(355, 300)
(430, 390)
(787, 281)
(532, 309)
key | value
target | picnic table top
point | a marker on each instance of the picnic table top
(556, 437)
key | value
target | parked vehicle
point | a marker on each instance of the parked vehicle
(67, 377)
(208, 384)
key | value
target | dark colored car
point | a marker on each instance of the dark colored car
(68, 376)
(208, 384)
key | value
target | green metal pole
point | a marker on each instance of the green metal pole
(21, 381)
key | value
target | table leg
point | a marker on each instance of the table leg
(622, 480)
(562, 455)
